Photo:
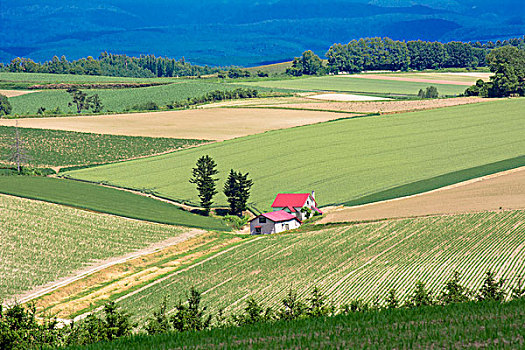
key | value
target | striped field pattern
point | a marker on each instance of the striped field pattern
(352, 262)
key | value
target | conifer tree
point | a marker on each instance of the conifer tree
(203, 178)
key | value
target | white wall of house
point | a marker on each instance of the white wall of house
(269, 227)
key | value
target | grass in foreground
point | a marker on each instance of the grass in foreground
(342, 160)
(42, 242)
(351, 262)
(105, 200)
(50, 148)
(469, 325)
(361, 85)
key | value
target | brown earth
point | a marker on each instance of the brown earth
(13, 93)
(383, 107)
(210, 124)
(501, 191)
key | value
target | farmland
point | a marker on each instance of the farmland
(42, 242)
(53, 148)
(46, 78)
(348, 84)
(473, 325)
(494, 192)
(105, 200)
(389, 151)
(216, 124)
(351, 262)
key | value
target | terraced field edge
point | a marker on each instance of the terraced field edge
(439, 181)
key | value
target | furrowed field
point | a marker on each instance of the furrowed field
(50, 148)
(105, 200)
(116, 100)
(358, 85)
(472, 325)
(351, 262)
(42, 242)
(365, 155)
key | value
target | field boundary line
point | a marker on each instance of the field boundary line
(447, 187)
(154, 248)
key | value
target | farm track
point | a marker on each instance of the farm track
(106, 264)
(504, 190)
(14, 93)
(132, 276)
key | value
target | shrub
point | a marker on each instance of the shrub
(5, 106)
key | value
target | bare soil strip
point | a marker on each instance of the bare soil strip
(209, 124)
(14, 93)
(124, 276)
(383, 107)
(416, 80)
(501, 191)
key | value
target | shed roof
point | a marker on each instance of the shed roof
(296, 200)
(278, 216)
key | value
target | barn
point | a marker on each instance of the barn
(296, 203)
(273, 222)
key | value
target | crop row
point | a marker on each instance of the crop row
(42, 242)
(354, 262)
(47, 148)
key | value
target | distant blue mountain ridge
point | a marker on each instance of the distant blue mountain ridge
(235, 32)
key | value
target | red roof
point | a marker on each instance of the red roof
(278, 216)
(317, 210)
(296, 200)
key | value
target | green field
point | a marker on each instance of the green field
(468, 326)
(105, 200)
(347, 84)
(342, 160)
(351, 262)
(42, 242)
(47, 78)
(116, 100)
(50, 148)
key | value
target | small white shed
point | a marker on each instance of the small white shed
(273, 222)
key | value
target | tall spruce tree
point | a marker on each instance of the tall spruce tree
(203, 178)
(237, 190)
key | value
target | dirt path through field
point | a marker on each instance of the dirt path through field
(416, 80)
(209, 124)
(106, 264)
(501, 191)
(14, 93)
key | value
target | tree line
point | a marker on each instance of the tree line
(108, 64)
(387, 54)
(20, 327)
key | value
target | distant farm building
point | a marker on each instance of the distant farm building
(289, 211)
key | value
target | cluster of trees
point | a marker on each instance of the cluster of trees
(5, 105)
(508, 65)
(236, 188)
(20, 329)
(236, 72)
(216, 95)
(429, 92)
(145, 66)
(388, 54)
(84, 102)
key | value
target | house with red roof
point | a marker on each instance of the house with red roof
(288, 213)
(294, 203)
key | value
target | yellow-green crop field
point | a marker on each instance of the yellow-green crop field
(342, 160)
(42, 242)
(351, 262)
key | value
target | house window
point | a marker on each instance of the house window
(286, 227)
(258, 230)
(262, 220)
